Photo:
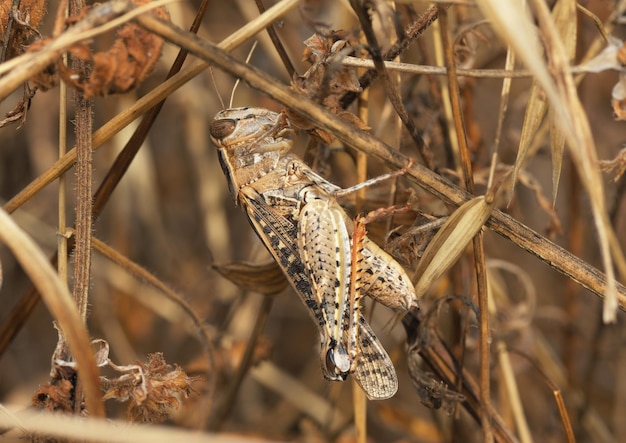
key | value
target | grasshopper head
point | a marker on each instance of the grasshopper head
(249, 141)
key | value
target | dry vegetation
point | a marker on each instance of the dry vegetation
(121, 199)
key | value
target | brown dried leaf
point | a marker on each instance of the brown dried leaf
(451, 240)
(55, 396)
(326, 80)
(25, 22)
(124, 65)
(434, 394)
(263, 278)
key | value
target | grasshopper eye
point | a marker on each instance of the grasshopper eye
(220, 129)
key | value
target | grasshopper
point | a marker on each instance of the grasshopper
(295, 213)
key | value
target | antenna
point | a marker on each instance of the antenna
(232, 94)
(217, 92)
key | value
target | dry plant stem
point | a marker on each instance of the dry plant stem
(477, 241)
(120, 121)
(392, 93)
(114, 431)
(512, 392)
(84, 179)
(552, 254)
(143, 275)
(226, 405)
(62, 222)
(411, 32)
(361, 158)
(410, 68)
(278, 45)
(575, 243)
(360, 417)
(554, 378)
(59, 302)
(567, 424)
(582, 149)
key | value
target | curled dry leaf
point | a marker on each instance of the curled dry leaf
(24, 23)
(433, 391)
(326, 80)
(434, 394)
(613, 57)
(59, 393)
(618, 164)
(56, 396)
(125, 65)
(130, 59)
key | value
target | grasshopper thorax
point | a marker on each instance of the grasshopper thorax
(250, 141)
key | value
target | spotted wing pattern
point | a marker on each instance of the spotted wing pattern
(374, 371)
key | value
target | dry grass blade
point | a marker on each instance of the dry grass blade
(91, 429)
(59, 302)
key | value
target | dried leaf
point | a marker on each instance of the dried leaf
(55, 396)
(564, 14)
(433, 393)
(326, 80)
(618, 164)
(451, 240)
(25, 22)
(124, 65)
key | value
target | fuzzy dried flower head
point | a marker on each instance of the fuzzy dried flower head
(153, 389)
